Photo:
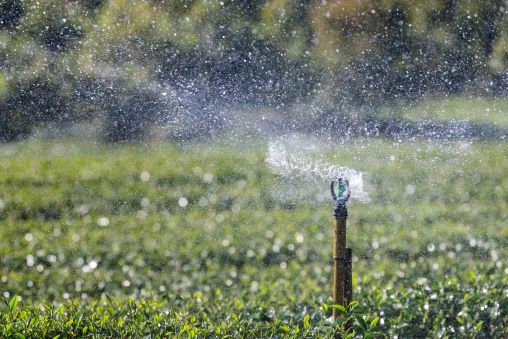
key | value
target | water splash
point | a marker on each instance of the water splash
(297, 165)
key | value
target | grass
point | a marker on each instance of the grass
(198, 241)
(474, 109)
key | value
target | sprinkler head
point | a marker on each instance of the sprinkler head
(340, 194)
(340, 190)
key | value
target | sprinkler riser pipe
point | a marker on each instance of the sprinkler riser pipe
(339, 264)
(348, 293)
(342, 270)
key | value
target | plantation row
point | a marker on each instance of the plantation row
(204, 240)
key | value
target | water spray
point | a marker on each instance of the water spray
(342, 268)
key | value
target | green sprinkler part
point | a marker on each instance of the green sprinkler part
(340, 190)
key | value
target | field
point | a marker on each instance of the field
(474, 109)
(198, 240)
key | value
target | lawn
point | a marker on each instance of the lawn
(203, 239)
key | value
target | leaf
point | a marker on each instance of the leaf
(352, 305)
(23, 315)
(361, 322)
(285, 328)
(13, 303)
(104, 319)
(374, 322)
(19, 336)
(111, 311)
(306, 323)
(340, 308)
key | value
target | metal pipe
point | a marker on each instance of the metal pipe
(342, 279)
(348, 293)
(339, 264)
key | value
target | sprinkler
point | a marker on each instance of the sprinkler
(342, 272)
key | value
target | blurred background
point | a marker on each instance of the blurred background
(133, 70)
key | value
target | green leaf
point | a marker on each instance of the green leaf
(374, 322)
(340, 308)
(306, 323)
(104, 319)
(19, 336)
(111, 311)
(13, 303)
(361, 322)
(285, 328)
(23, 315)
(352, 305)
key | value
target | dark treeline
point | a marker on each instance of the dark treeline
(134, 64)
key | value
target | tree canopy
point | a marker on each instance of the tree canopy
(66, 60)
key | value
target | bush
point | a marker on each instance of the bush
(30, 103)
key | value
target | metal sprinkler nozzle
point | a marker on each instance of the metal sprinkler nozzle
(340, 193)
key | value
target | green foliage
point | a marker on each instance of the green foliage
(157, 318)
(200, 240)
(472, 109)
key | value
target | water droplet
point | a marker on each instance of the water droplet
(208, 177)
(182, 202)
(144, 176)
(254, 286)
(103, 221)
(145, 202)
